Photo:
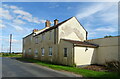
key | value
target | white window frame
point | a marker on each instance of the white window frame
(65, 52)
(29, 51)
(43, 36)
(31, 38)
(36, 53)
(43, 51)
(24, 51)
(50, 51)
(36, 40)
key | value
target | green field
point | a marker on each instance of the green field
(83, 72)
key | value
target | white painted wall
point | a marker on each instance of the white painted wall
(72, 30)
(107, 50)
(82, 57)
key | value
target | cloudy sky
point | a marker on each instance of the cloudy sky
(20, 18)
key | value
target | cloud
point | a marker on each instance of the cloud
(13, 7)
(18, 21)
(93, 9)
(2, 26)
(12, 12)
(102, 17)
(21, 12)
(68, 8)
(107, 29)
(5, 14)
(89, 11)
(10, 6)
(18, 28)
(54, 6)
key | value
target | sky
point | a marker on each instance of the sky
(20, 18)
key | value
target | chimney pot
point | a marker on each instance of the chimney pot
(55, 22)
(47, 23)
(35, 30)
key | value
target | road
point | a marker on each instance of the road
(15, 68)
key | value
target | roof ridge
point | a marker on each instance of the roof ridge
(55, 26)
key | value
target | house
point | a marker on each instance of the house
(66, 43)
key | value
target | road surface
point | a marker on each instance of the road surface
(14, 68)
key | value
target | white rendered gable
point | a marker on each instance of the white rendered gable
(72, 30)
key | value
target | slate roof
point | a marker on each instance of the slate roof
(53, 27)
(82, 43)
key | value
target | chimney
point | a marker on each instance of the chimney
(35, 30)
(47, 23)
(55, 22)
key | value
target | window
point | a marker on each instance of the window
(36, 40)
(29, 51)
(36, 53)
(50, 51)
(31, 38)
(50, 35)
(43, 36)
(65, 52)
(43, 51)
(23, 51)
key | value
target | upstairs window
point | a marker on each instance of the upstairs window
(43, 36)
(65, 52)
(43, 51)
(50, 51)
(36, 40)
(31, 38)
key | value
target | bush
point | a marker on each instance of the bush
(113, 65)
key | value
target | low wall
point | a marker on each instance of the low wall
(107, 50)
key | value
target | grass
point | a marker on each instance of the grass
(83, 72)
(10, 55)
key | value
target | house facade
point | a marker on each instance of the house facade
(64, 43)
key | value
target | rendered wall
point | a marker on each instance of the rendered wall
(72, 30)
(107, 50)
(69, 59)
(82, 57)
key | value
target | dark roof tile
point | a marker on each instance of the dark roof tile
(81, 43)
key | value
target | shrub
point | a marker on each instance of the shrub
(113, 65)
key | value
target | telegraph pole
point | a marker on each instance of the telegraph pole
(10, 42)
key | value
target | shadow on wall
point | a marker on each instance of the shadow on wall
(94, 59)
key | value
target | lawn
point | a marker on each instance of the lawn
(83, 72)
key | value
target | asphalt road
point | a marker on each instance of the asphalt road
(14, 68)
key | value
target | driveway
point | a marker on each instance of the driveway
(14, 68)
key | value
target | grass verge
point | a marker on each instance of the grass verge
(83, 72)
(11, 55)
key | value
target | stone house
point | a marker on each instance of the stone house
(66, 43)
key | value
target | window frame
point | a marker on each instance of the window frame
(43, 51)
(43, 36)
(36, 40)
(36, 53)
(65, 52)
(29, 51)
(50, 51)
